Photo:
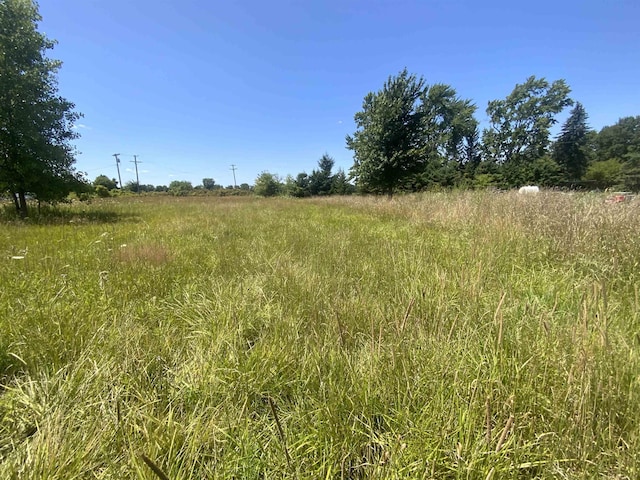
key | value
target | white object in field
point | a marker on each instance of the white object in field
(529, 189)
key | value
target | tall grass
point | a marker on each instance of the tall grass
(452, 335)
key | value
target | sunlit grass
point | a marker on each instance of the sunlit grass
(451, 335)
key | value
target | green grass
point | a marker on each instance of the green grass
(453, 335)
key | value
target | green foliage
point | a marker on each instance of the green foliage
(267, 185)
(340, 184)
(106, 182)
(320, 181)
(619, 140)
(411, 136)
(102, 191)
(631, 171)
(208, 183)
(36, 156)
(570, 149)
(130, 186)
(485, 180)
(296, 187)
(519, 131)
(622, 143)
(546, 172)
(180, 187)
(387, 146)
(604, 174)
(451, 129)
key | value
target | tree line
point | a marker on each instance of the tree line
(409, 136)
(103, 186)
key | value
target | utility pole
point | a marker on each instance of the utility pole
(135, 160)
(118, 167)
(233, 167)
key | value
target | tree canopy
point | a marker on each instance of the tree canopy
(267, 185)
(520, 124)
(36, 124)
(387, 146)
(108, 183)
(410, 135)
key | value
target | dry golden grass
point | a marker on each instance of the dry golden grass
(147, 254)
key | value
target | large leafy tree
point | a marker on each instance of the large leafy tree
(388, 143)
(449, 121)
(570, 149)
(519, 130)
(621, 142)
(36, 155)
(449, 129)
(208, 183)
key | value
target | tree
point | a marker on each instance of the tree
(180, 187)
(448, 128)
(130, 186)
(621, 142)
(449, 122)
(320, 180)
(604, 174)
(387, 145)
(267, 185)
(618, 140)
(297, 187)
(340, 184)
(208, 183)
(569, 150)
(411, 136)
(519, 131)
(108, 183)
(36, 124)
(102, 191)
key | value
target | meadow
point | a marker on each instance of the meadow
(462, 335)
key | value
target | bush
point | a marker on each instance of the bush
(604, 174)
(267, 185)
(102, 191)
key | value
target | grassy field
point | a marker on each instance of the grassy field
(454, 335)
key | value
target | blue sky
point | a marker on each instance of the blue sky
(194, 86)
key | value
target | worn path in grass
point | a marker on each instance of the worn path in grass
(436, 336)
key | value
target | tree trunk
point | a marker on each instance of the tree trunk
(23, 205)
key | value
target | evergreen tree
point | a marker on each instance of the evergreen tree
(569, 151)
(320, 180)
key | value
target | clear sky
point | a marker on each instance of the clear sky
(194, 86)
